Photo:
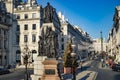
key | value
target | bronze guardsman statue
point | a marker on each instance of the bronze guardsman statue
(48, 43)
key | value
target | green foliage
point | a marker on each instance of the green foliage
(68, 61)
(67, 57)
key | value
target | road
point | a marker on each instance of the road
(16, 75)
(94, 65)
(103, 73)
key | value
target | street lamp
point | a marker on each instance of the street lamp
(60, 67)
(102, 49)
(73, 54)
(101, 44)
(26, 56)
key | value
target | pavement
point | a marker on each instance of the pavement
(80, 74)
(83, 74)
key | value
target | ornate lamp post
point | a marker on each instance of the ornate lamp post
(26, 56)
(101, 44)
(69, 58)
(73, 58)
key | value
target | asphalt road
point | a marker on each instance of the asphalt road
(16, 75)
(103, 73)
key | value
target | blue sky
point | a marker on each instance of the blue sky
(92, 16)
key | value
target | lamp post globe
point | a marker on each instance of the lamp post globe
(73, 46)
(73, 54)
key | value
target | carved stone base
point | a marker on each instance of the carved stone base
(50, 70)
(38, 68)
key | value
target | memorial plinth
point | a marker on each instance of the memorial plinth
(38, 68)
(50, 70)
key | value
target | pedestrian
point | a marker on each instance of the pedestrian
(81, 65)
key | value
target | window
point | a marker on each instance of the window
(25, 27)
(5, 44)
(18, 16)
(5, 20)
(34, 26)
(34, 52)
(18, 28)
(19, 8)
(62, 46)
(33, 38)
(18, 56)
(62, 39)
(0, 31)
(0, 45)
(26, 8)
(4, 32)
(17, 39)
(33, 15)
(25, 38)
(26, 16)
(5, 57)
(0, 19)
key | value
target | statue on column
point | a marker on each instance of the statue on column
(48, 13)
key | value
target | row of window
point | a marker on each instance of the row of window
(26, 27)
(25, 38)
(25, 16)
(18, 55)
(2, 31)
(4, 44)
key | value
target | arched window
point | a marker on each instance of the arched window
(34, 51)
(18, 56)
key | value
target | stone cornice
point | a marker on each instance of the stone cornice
(28, 19)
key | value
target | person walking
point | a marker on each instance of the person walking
(81, 65)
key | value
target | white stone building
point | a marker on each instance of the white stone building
(82, 39)
(26, 28)
(5, 24)
(27, 20)
(97, 45)
(114, 36)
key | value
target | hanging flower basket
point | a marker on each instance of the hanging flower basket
(67, 70)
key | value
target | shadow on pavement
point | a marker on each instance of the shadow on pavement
(83, 69)
(117, 77)
(86, 76)
(69, 76)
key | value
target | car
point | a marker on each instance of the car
(116, 67)
(4, 71)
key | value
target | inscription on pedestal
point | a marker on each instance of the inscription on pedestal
(50, 71)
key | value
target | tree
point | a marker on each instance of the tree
(68, 61)
(67, 58)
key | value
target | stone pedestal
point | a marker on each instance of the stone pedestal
(50, 70)
(38, 68)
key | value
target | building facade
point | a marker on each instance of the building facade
(28, 20)
(27, 29)
(81, 38)
(97, 45)
(5, 24)
(114, 36)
